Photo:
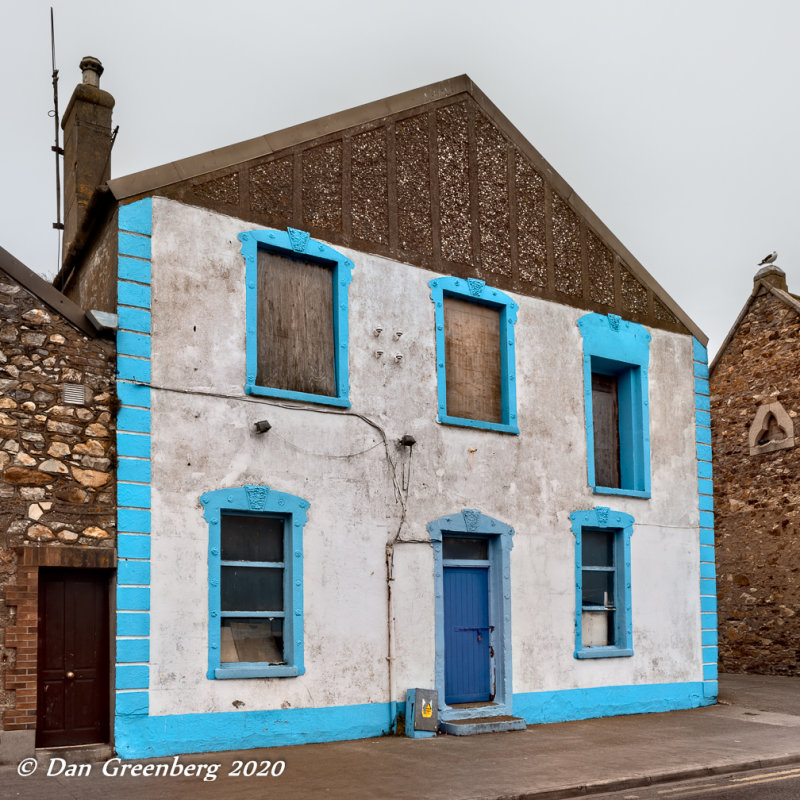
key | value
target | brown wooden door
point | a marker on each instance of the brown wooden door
(73, 664)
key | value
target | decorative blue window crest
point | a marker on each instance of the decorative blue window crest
(614, 346)
(620, 526)
(257, 500)
(477, 291)
(297, 244)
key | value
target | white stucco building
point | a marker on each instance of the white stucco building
(397, 411)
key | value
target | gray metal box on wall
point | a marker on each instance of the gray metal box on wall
(422, 713)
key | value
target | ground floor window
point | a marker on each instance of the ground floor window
(603, 625)
(255, 582)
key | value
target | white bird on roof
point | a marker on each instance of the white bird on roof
(771, 258)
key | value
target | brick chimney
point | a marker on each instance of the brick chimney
(87, 146)
(773, 275)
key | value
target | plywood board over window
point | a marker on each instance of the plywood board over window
(296, 342)
(473, 360)
(605, 413)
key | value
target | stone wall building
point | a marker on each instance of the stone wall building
(755, 402)
(57, 496)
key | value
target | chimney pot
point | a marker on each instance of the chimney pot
(92, 70)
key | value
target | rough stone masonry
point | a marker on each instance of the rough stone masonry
(57, 462)
(757, 497)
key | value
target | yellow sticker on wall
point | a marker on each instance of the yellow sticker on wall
(427, 711)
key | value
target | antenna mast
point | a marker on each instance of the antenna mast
(57, 149)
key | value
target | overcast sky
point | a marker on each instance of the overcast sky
(677, 121)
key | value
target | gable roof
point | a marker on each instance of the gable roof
(760, 287)
(46, 292)
(437, 177)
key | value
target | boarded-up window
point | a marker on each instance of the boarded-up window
(295, 325)
(605, 414)
(472, 361)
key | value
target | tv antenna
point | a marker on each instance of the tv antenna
(57, 149)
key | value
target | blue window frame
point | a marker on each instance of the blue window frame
(617, 349)
(476, 291)
(255, 575)
(603, 622)
(298, 246)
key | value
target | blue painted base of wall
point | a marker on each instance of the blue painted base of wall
(146, 737)
(140, 736)
(609, 701)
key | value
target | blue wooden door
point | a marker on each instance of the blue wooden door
(467, 677)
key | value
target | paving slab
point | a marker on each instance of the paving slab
(755, 728)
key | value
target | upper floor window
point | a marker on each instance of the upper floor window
(297, 322)
(616, 354)
(255, 564)
(475, 354)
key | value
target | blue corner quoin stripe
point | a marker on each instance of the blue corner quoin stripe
(133, 344)
(132, 245)
(133, 369)
(133, 495)
(133, 294)
(130, 545)
(705, 489)
(133, 520)
(133, 598)
(132, 650)
(132, 704)
(133, 469)
(133, 624)
(131, 444)
(137, 217)
(132, 394)
(134, 274)
(133, 573)
(134, 269)
(133, 677)
(133, 319)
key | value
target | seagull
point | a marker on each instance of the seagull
(769, 259)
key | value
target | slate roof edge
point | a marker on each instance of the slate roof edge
(46, 292)
(150, 180)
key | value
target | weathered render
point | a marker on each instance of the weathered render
(755, 383)
(57, 457)
(409, 208)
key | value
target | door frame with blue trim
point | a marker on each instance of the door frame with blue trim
(473, 523)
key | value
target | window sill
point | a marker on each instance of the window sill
(304, 397)
(463, 422)
(257, 671)
(623, 492)
(603, 652)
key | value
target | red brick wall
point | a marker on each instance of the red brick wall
(757, 498)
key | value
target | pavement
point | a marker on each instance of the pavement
(756, 724)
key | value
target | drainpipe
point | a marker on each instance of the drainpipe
(390, 634)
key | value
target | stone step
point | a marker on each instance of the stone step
(470, 727)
